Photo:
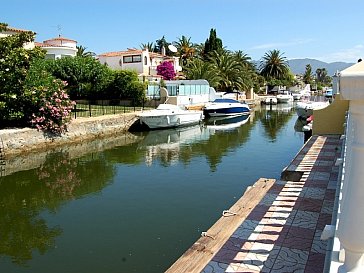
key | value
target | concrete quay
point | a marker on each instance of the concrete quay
(282, 232)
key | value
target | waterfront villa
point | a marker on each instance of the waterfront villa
(56, 47)
(140, 60)
(182, 92)
(59, 47)
(11, 31)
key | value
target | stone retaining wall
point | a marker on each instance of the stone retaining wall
(24, 140)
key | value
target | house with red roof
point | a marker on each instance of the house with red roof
(56, 48)
(140, 60)
(59, 47)
(12, 31)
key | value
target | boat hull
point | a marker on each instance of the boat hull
(270, 101)
(225, 107)
(171, 120)
(305, 109)
(284, 99)
(234, 111)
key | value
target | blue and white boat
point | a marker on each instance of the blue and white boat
(225, 107)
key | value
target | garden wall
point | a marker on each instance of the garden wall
(16, 141)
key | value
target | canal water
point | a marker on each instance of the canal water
(136, 202)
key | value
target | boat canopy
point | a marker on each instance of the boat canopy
(225, 101)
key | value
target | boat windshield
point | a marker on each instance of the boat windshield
(225, 101)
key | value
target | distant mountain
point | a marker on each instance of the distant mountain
(298, 66)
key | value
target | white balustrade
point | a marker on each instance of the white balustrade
(351, 219)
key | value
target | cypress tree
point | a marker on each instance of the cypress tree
(212, 43)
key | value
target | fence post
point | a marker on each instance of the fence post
(89, 108)
(75, 110)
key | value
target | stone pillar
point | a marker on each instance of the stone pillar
(351, 221)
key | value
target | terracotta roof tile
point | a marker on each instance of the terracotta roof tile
(121, 53)
(60, 39)
(48, 45)
(16, 29)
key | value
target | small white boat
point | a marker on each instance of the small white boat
(297, 95)
(169, 115)
(271, 100)
(304, 109)
(284, 97)
(225, 107)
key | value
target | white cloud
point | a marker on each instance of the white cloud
(350, 55)
(283, 44)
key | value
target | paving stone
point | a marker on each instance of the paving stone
(215, 267)
(282, 234)
(318, 245)
(305, 219)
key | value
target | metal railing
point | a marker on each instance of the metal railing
(88, 108)
(2, 158)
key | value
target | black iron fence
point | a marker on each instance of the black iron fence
(93, 108)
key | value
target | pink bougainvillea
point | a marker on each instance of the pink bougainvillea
(166, 70)
(54, 111)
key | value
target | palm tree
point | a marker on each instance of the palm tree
(244, 59)
(234, 72)
(321, 74)
(185, 49)
(274, 65)
(81, 52)
(150, 46)
(199, 49)
(197, 69)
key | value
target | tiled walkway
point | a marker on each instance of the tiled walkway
(282, 234)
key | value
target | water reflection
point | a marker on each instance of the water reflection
(167, 145)
(300, 122)
(226, 123)
(274, 118)
(44, 182)
(24, 195)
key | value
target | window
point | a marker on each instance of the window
(50, 56)
(132, 59)
(145, 60)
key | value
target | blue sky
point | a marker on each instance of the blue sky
(321, 29)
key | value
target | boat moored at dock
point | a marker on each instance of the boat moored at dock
(305, 108)
(169, 115)
(225, 107)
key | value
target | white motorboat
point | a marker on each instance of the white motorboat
(284, 97)
(270, 100)
(304, 109)
(169, 115)
(225, 107)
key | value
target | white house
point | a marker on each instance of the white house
(140, 60)
(11, 31)
(59, 47)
